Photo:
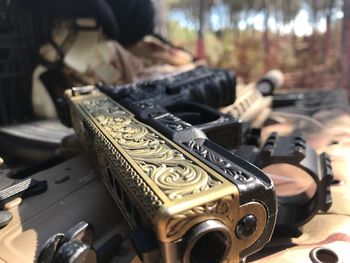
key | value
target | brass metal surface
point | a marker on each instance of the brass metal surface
(148, 174)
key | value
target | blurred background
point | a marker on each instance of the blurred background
(306, 39)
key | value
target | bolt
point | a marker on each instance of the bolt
(246, 227)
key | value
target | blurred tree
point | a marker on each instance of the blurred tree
(328, 35)
(277, 13)
(191, 8)
(322, 9)
(267, 43)
(196, 10)
(160, 20)
(266, 10)
(290, 10)
(235, 9)
(200, 49)
(346, 46)
(315, 10)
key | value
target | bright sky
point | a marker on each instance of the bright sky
(302, 25)
(219, 16)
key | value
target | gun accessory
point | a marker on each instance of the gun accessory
(209, 86)
(315, 175)
(72, 247)
(22, 189)
(250, 106)
(194, 208)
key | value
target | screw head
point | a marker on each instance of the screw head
(246, 227)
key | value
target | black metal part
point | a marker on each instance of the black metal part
(32, 142)
(35, 189)
(73, 251)
(82, 231)
(22, 189)
(324, 254)
(266, 87)
(108, 250)
(285, 100)
(48, 251)
(73, 246)
(246, 227)
(220, 128)
(144, 241)
(24, 172)
(293, 150)
(269, 82)
(63, 112)
(212, 87)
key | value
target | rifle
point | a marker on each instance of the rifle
(161, 155)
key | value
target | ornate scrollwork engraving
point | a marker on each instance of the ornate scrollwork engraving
(174, 174)
(217, 160)
(178, 222)
(171, 121)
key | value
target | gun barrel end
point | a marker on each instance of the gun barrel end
(209, 241)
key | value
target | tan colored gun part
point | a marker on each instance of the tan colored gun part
(250, 106)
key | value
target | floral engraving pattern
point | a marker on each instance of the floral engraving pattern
(177, 223)
(175, 174)
(219, 161)
(108, 157)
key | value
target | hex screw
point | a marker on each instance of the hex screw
(246, 227)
